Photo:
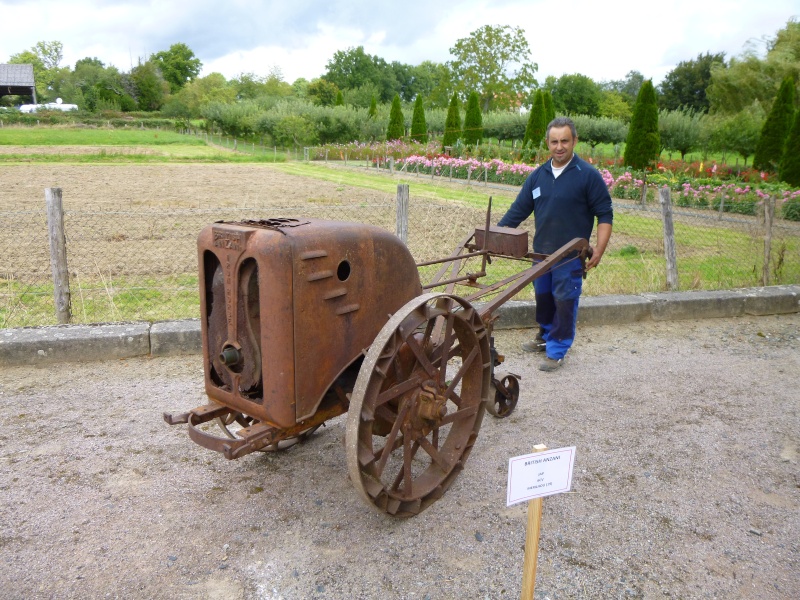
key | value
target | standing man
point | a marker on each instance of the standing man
(565, 195)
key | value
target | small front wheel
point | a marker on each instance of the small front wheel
(506, 394)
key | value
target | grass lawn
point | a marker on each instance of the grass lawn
(710, 255)
(84, 145)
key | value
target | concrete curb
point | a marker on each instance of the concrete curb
(35, 346)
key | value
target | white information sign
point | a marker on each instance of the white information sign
(540, 474)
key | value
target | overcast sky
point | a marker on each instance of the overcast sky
(604, 40)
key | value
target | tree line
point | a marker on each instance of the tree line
(707, 102)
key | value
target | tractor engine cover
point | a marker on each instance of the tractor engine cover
(288, 304)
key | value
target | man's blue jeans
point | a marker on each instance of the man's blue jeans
(557, 294)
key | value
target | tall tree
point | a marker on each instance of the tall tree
(750, 77)
(484, 61)
(685, 86)
(190, 100)
(150, 88)
(769, 149)
(353, 68)
(300, 87)
(628, 87)
(339, 99)
(275, 86)
(452, 124)
(614, 106)
(418, 80)
(419, 128)
(178, 65)
(643, 144)
(790, 163)
(397, 128)
(473, 121)
(373, 108)
(576, 95)
(250, 86)
(45, 58)
(537, 121)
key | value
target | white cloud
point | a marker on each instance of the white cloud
(602, 40)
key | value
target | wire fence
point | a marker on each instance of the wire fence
(141, 263)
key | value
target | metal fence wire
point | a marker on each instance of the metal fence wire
(141, 264)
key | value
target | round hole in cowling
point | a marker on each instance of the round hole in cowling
(343, 270)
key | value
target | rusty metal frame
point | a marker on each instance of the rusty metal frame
(262, 428)
(508, 287)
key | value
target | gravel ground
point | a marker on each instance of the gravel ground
(686, 484)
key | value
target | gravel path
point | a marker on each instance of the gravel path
(686, 484)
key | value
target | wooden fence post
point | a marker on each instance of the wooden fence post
(670, 253)
(769, 218)
(401, 223)
(58, 253)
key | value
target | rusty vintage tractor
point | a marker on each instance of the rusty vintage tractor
(304, 320)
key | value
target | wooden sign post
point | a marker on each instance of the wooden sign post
(532, 542)
(531, 477)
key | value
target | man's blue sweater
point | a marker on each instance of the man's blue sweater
(563, 208)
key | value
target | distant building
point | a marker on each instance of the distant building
(17, 80)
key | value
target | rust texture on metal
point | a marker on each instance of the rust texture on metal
(504, 241)
(304, 320)
(289, 304)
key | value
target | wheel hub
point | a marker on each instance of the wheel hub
(431, 402)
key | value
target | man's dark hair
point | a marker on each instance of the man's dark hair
(561, 122)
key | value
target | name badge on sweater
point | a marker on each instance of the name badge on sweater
(536, 193)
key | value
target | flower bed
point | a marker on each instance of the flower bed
(494, 170)
(693, 185)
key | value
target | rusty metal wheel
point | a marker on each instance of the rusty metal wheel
(232, 422)
(506, 395)
(417, 404)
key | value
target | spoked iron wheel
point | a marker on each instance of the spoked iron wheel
(417, 405)
(506, 395)
(233, 422)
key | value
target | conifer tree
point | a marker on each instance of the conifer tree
(452, 124)
(419, 128)
(373, 108)
(769, 148)
(397, 126)
(790, 163)
(339, 98)
(473, 121)
(643, 145)
(549, 108)
(537, 122)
